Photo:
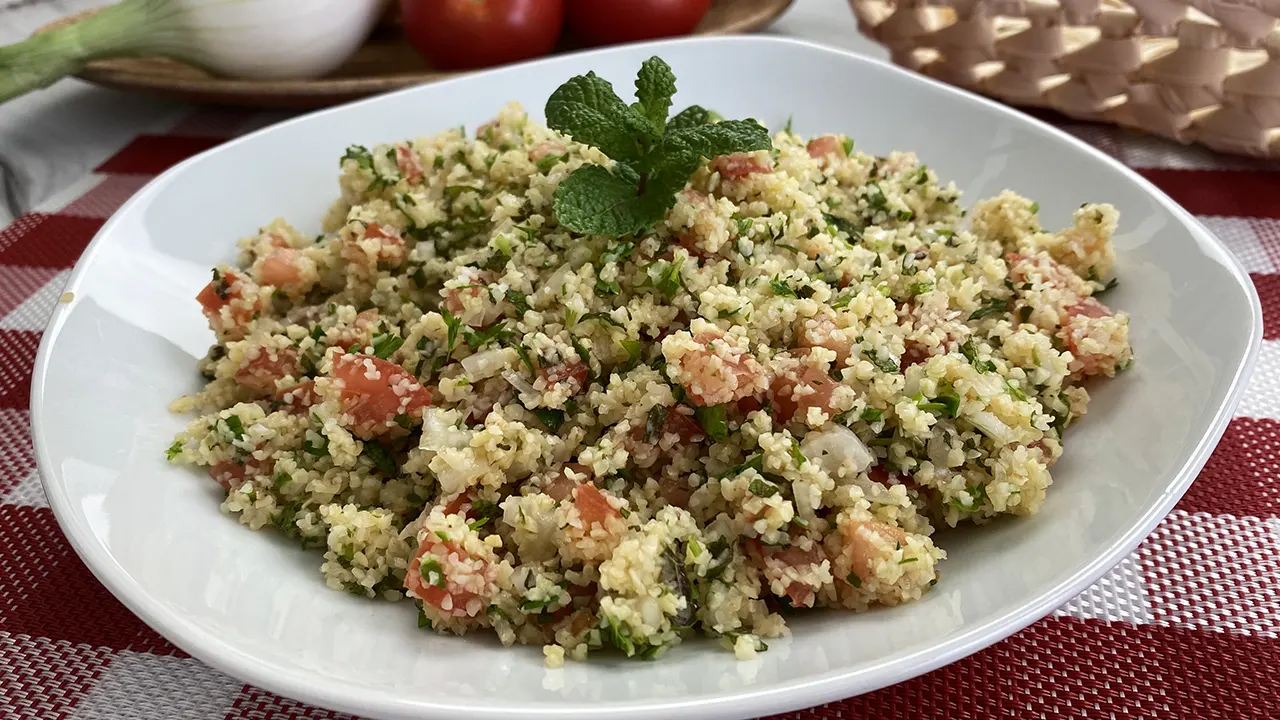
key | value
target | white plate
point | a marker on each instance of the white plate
(253, 605)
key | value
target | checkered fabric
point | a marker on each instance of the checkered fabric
(1188, 626)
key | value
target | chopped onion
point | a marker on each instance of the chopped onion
(518, 382)
(440, 430)
(992, 427)
(835, 446)
(488, 363)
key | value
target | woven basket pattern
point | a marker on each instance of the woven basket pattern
(1204, 71)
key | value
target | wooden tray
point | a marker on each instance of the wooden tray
(385, 62)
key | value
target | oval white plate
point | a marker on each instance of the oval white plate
(253, 605)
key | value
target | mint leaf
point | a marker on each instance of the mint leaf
(594, 201)
(655, 84)
(724, 137)
(587, 109)
(690, 117)
(652, 159)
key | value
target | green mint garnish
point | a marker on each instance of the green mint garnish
(653, 159)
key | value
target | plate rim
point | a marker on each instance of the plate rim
(347, 697)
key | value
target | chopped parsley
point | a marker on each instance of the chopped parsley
(970, 351)
(762, 488)
(990, 307)
(713, 422)
(796, 455)
(381, 459)
(174, 450)
(385, 344)
(550, 417)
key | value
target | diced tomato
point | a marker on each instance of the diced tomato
(544, 150)
(593, 507)
(825, 146)
(360, 333)
(1088, 307)
(675, 491)
(280, 268)
(455, 299)
(786, 406)
(561, 487)
(708, 367)
(298, 397)
(408, 163)
(775, 561)
(822, 332)
(915, 353)
(375, 392)
(1072, 333)
(1049, 270)
(739, 165)
(453, 593)
(391, 249)
(683, 426)
(231, 474)
(861, 551)
(689, 241)
(262, 367)
(229, 289)
(574, 372)
(749, 405)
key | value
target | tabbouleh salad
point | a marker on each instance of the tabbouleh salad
(626, 377)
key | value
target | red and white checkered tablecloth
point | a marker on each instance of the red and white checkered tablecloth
(1188, 626)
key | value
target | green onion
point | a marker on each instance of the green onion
(236, 427)
(551, 161)
(432, 573)
(920, 288)
(948, 405)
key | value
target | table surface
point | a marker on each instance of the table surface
(1188, 626)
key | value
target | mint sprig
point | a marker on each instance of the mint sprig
(653, 156)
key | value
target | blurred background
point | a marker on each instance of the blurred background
(50, 138)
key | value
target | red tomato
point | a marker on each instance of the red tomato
(607, 22)
(460, 34)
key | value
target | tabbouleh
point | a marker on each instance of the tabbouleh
(753, 388)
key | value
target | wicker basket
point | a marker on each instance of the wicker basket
(1206, 72)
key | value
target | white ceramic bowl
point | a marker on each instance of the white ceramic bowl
(253, 605)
